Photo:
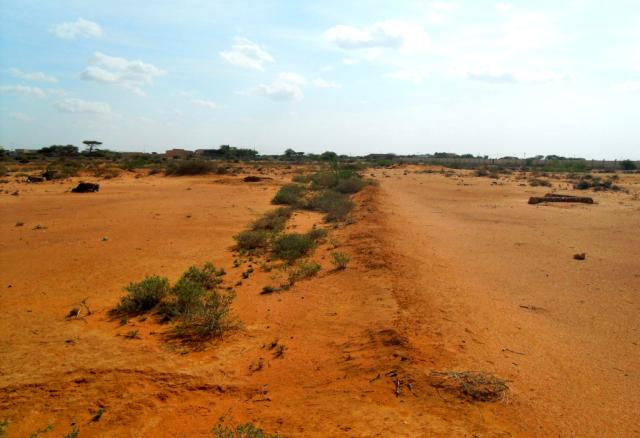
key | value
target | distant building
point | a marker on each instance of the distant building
(177, 153)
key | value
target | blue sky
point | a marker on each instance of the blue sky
(482, 77)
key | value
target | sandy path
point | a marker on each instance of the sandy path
(474, 254)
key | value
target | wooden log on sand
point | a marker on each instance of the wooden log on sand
(555, 197)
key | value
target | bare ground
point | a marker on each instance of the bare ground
(447, 274)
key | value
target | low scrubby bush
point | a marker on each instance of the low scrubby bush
(293, 246)
(304, 270)
(339, 259)
(301, 178)
(290, 194)
(535, 182)
(242, 431)
(252, 239)
(190, 167)
(200, 311)
(352, 184)
(317, 234)
(144, 295)
(595, 183)
(207, 318)
(336, 205)
(273, 221)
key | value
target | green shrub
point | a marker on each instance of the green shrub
(628, 165)
(317, 234)
(340, 259)
(273, 221)
(207, 277)
(290, 194)
(352, 184)
(74, 433)
(303, 271)
(301, 178)
(595, 183)
(336, 205)
(242, 431)
(190, 167)
(535, 182)
(292, 246)
(207, 318)
(251, 240)
(144, 295)
(324, 180)
(185, 298)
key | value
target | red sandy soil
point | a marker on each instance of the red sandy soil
(447, 273)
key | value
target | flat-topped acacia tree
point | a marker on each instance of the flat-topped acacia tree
(91, 144)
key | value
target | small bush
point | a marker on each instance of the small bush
(303, 271)
(242, 431)
(336, 205)
(273, 221)
(185, 298)
(207, 277)
(251, 240)
(340, 259)
(209, 318)
(317, 234)
(190, 167)
(292, 246)
(3, 172)
(595, 183)
(324, 180)
(535, 182)
(301, 178)
(628, 165)
(144, 295)
(290, 194)
(350, 185)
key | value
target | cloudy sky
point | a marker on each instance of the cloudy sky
(467, 76)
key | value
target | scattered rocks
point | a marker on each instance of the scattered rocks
(85, 187)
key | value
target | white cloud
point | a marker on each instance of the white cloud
(350, 61)
(504, 7)
(326, 68)
(23, 89)
(247, 54)
(524, 30)
(278, 91)
(412, 75)
(630, 87)
(395, 34)
(516, 76)
(80, 28)
(437, 12)
(35, 76)
(292, 78)
(131, 75)
(78, 106)
(322, 83)
(20, 116)
(204, 103)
